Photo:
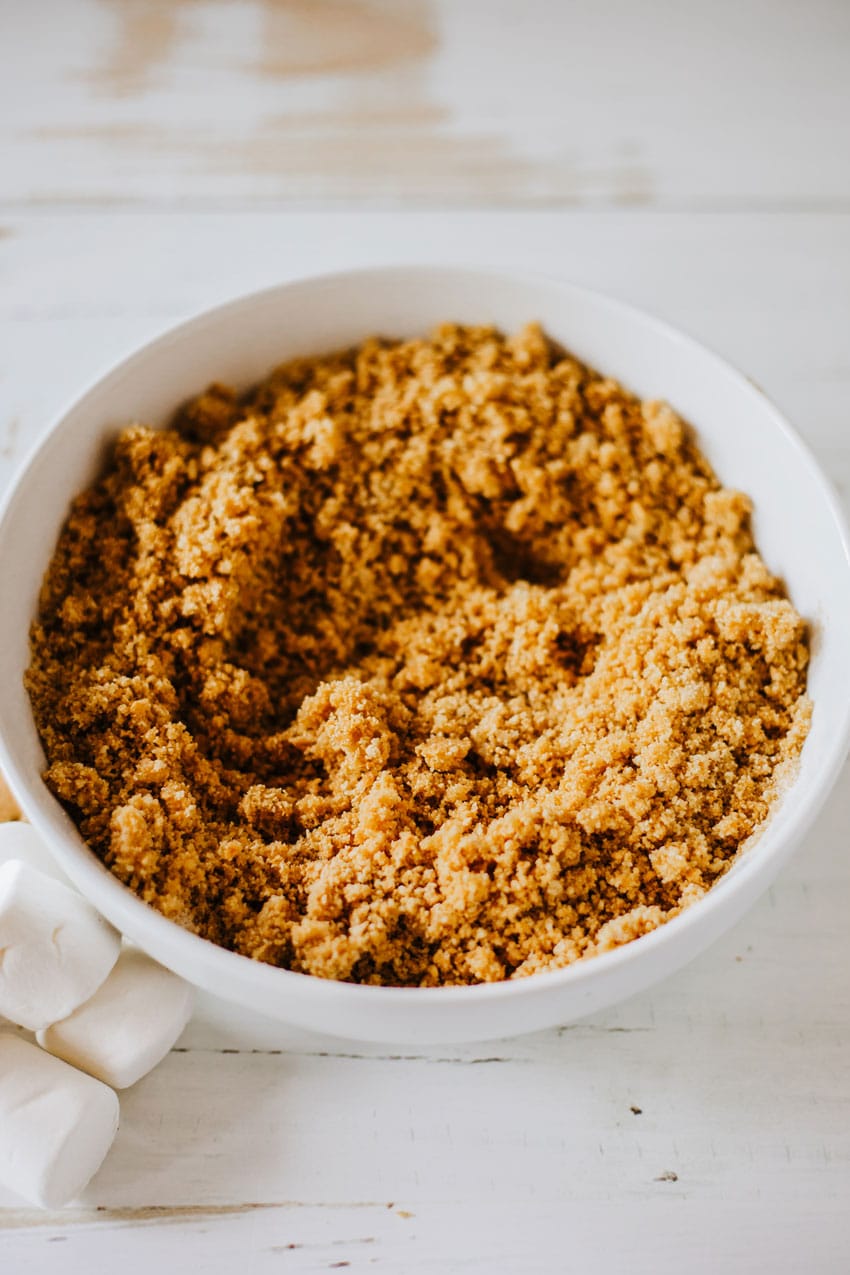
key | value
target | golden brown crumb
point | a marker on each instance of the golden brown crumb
(9, 810)
(428, 662)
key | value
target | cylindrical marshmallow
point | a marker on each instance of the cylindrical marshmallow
(129, 1024)
(21, 841)
(56, 1124)
(55, 949)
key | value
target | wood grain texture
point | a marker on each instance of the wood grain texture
(211, 103)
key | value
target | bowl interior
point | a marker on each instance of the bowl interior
(798, 527)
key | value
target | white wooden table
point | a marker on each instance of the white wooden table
(158, 157)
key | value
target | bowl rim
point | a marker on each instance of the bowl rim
(142, 922)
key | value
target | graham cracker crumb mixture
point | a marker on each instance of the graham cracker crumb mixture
(9, 810)
(428, 662)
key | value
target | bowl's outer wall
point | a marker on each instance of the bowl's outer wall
(798, 529)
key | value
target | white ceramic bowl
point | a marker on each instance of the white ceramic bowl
(797, 523)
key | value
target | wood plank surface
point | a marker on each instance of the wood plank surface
(734, 104)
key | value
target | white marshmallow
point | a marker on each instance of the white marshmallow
(21, 841)
(55, 949)
(129, 1024)
(56, 1124)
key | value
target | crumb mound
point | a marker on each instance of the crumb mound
(428, 662)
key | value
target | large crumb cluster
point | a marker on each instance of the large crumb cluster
(428, 662)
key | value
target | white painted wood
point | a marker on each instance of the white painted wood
(637, 1235)
(386, 102)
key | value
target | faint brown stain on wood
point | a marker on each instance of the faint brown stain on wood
(356, 118)
(26, 1219)
(146, 32)
(118, 133)
(384, 139)
(380, 164)
(395, 161)
(21, 1219)
(298, 38)
(377, 157)
(304, 37)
